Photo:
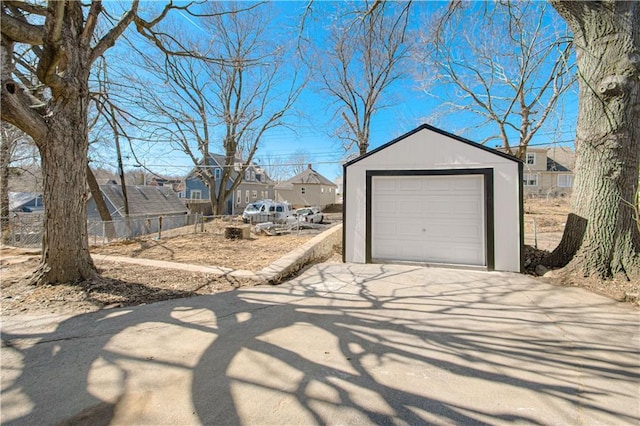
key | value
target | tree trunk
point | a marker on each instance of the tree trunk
(601, 237)
(5, 159)
(105, 215)
(217, 208)
(65, 255)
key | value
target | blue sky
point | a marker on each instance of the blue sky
(311, 132)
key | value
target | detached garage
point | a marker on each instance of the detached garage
(430, 197)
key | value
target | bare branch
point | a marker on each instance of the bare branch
(110, 38)
(21, 31)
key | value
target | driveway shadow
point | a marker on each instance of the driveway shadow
(364, 344)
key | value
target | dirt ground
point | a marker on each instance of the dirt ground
(123, 284)
(544, 221)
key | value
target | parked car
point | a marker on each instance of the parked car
(309, 214)
(266, 211)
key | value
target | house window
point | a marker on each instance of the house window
(238, 197)
(246, 196)
(247, 175)
(330, 190)
(196, 194)
(253, 175)
(322, 190)
(217, 173)
(531, 159)
(303, 190)
(255, 195)
(565, 181)
(530, 180)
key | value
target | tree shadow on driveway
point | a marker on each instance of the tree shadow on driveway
(360, 344)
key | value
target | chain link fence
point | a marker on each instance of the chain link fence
(102, 232)
(23, 230)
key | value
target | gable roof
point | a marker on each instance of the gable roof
(145, 200)
(563, 159)
(19, 199)
(219, 161)
(436, 130)
(554, 166)
(307, 177)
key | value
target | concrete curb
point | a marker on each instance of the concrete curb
(319, 247)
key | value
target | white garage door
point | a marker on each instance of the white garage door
(430, 219)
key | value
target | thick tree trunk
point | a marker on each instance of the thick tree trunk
(65, 255)
(601, 237)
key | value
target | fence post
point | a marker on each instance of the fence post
(535, 233)
(159, 227)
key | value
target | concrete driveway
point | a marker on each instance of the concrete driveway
(341, 344)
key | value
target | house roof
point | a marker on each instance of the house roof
(219, 159)
(19, 199)
(307, 177)
(562, 159)
(436, 130)
(145, 200)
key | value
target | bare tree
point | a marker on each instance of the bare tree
(601, 237)
(506, 64)
(298, 161)
(227, 102)
(280, 168)
(363, 58)
(10, 141)
(64, 38)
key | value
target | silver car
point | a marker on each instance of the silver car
(310, 215)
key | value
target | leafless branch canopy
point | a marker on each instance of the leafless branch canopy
(509, 67)
(46, 48)
(362, 61)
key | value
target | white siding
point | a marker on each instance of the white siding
(429, 150)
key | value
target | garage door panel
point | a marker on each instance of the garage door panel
(432, 219)
(409, 184)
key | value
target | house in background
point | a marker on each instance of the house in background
(149, 201)
(308, 188)
(25, 201)
(548, 172)
(151, 208)
(176, 184)
(339, 182)
(255, 185)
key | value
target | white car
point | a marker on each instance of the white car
(266, 211)
(310, 215)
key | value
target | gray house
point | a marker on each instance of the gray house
(255, 185)
(308, 188)
(150, 208)
(143, 201)
(25, 201)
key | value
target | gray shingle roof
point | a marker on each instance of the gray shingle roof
(18, 199)
(145, 200)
